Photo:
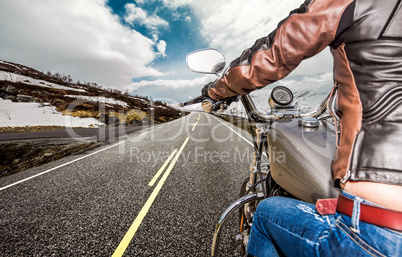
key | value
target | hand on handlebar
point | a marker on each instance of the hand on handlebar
(207, 102)
(205, 90)
(209, 105)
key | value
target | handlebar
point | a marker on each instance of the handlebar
(320, 110)
(255, 114)
(192, 101)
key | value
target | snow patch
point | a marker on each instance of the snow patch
(31, 114)
(7, 76)
(100, 99)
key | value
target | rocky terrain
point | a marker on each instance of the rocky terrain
(20, 155)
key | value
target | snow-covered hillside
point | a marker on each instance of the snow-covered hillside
(308, 93)
(32, 98)
(101, 99)
(8, 76)
(32, 114)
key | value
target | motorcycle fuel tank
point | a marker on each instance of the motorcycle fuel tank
(300, 159)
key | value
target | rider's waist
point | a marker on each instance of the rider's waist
(376, 155)
(371, 214)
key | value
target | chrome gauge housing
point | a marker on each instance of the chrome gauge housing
(281, 96)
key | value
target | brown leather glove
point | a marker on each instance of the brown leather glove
(205, 90)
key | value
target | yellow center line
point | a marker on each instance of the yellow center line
(195, 125)
(152, 182)
(137, 222)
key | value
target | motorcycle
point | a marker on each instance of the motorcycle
(299, 147)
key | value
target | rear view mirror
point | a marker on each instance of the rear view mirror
(208, 61)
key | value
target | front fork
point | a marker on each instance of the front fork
(256, 172)
(255, 191)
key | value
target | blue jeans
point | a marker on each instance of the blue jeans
(288, 227)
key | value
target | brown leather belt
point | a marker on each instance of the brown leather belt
(372, 214)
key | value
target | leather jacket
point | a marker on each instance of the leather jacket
(365, 39)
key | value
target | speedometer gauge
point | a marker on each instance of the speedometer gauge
(280, 96)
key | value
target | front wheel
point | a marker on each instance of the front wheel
(243, 225)
(243, 190)
(246, 213)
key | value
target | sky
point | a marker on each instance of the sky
(139, 46)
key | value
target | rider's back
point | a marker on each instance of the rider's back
(368, 71)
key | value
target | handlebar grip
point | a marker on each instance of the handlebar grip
(207, 106)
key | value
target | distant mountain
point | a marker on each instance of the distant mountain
(308, 94)
(29, 97)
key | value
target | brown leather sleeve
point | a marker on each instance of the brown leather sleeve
(304, 33)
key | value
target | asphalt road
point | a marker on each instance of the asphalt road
(100, 203)
(104, 134)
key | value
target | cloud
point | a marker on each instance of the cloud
(80, 38)
(183, 16)
(174, 4)
(170, 4)
(136, 15)
(161, 46)
(140, 2)
(172, 90)
(237, 24)
(233, 26)
(84, 39)
(175, 84)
